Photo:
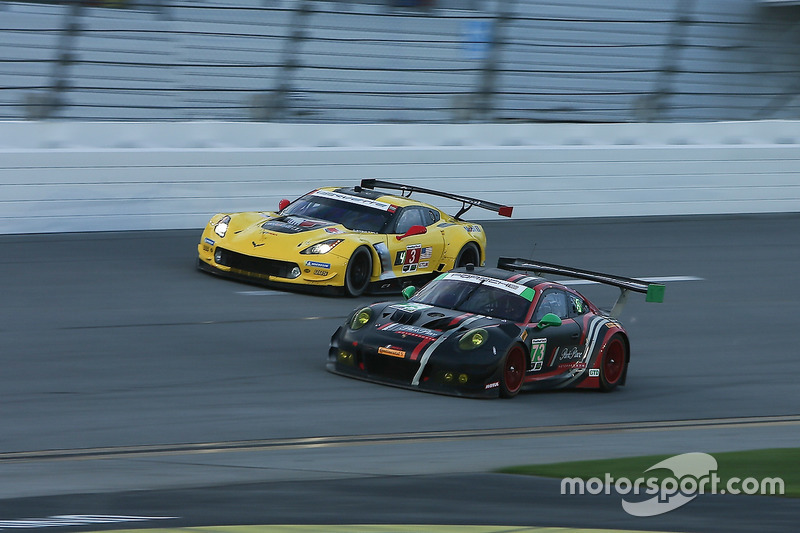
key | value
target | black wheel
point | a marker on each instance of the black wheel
(468, 254)
(359, 271)
(513, 375)
(613, 363)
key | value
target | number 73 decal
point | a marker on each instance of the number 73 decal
(538, 347)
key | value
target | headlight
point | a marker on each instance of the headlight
(361, 318)
(322, 247)
(474, 338)
(221, 228)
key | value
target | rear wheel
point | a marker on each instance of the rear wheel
(468, 254)
(514, 365)
(359, 271)
(613, 362)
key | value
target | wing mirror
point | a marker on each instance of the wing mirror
(283, 204)
(550, 319)
(409, 291)
(413, 230)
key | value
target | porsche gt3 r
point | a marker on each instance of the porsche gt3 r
(350, 240)
(487, 332)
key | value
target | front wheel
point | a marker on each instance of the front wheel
(359, 272)
(514, 365)
(613, 363)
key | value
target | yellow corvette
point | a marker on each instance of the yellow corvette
(352, 240)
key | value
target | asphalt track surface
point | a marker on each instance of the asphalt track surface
(134, 385)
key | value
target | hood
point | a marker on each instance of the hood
(294, 224)
(289, 230)
(427, 317)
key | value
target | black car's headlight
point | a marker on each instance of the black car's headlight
(474, 338)
(221, 227)
(322, 247)
(361, 318)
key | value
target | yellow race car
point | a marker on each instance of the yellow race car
(351, 240)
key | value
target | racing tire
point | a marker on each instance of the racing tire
(512, 374)
(468, 254)
(359, 272)
(613, 363)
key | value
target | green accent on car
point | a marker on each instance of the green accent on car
(528, 294)
(655, 293)
(550, 319)
(409, 291)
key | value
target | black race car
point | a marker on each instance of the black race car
(487, 332)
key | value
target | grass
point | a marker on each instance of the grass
(783, 463)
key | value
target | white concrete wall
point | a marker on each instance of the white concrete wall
(72, 177)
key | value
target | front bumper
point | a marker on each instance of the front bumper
(313, 275)
(348, 357)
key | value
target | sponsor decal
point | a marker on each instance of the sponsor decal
(509, 286)
(321, 272)
(410, 307)
(492, 385)
(383, 206)
(575, 365)
(569, 354)
(414, 331)
(594, 372)
(423, 264)
(393, 352)
(317, 264)
(473, 229)
(209, 241)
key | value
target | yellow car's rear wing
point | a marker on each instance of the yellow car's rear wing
(466, 201)
(654, 291)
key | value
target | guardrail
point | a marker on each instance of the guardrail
(77, 177)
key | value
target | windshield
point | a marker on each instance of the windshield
(482, 296)
(353, 214)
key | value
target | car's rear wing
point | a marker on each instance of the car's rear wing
(654, 291)
(466, 201)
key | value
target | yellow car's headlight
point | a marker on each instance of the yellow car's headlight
(221, 227)
(474, 338)
(361, 318)
(322, 247)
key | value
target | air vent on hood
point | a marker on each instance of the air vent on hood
(405, 317)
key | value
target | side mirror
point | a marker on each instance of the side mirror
(413, 230)
(409, 291)
(283, 204)
(550, 319)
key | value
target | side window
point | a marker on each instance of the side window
(577, 306)
(552, 301)
(430, 217)
(410, 216)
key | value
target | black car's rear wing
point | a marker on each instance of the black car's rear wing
(466, 201)
(654, 291)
